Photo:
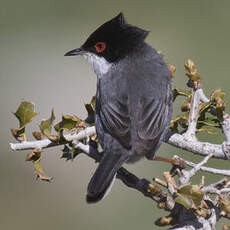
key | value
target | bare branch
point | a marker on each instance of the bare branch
(197, 167)
(197, 147)
(46, 143)
(205, 169)
(190, 134)
(185, 175)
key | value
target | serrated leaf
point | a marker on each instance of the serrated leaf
(205, 107)
(90, 107)
(53, 138)
(192, 73)
(209, 121)
(70, 153)
(225, 204)
(217, 100)
(38, 135)
(181, 120)
(19, 134)
(35, 157)
(192, 192)
(202, 212)
(180, 92)
(217, 93)
(68, 123)
(46, 125)
(185, 201)
(195, 76)
(25, 113)
(186, 105)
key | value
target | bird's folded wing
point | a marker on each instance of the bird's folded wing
(114, 116)
(153, 119)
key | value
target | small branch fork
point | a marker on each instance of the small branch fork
(202, 216)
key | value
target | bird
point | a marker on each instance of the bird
(133, 98)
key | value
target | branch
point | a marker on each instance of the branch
(46, 143)
(190, 134)
(197, 147)
(205, 169)
(177, 140)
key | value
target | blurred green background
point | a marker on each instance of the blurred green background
(34, 35)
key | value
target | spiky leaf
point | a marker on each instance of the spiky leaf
(68, 123)
(38, 135)
(190, 196)
(46, 125)
(35, 157)
(70, 153)
(90, 107)
(19, 134)
(185, 201)
(180, 92)
(225, 204)
(25, 113)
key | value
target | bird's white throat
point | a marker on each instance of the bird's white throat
(99, 64)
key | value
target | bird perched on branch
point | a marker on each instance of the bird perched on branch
(133, 99)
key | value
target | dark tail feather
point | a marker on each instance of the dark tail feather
(104, 176)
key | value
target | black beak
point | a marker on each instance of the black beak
(74, 52)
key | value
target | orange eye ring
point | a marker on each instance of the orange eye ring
(100, 47)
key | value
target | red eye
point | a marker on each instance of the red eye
(100, 47)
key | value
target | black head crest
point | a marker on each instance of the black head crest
(120, 18)
(116, 37)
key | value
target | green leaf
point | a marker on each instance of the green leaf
(90, 107)
(68, 123)
(185, 201)
(35, 156)
(38, 135)
(180, 92)
(186, 105)
(209, 121)
(181, 120)
(46, 125)
(70, 153)
(207, 130)
(192, 71)
(19, 134)
(224, 204)
(25, 113)
(192, 192)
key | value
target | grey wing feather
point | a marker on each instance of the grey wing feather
(153, 121)
(114, 116)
